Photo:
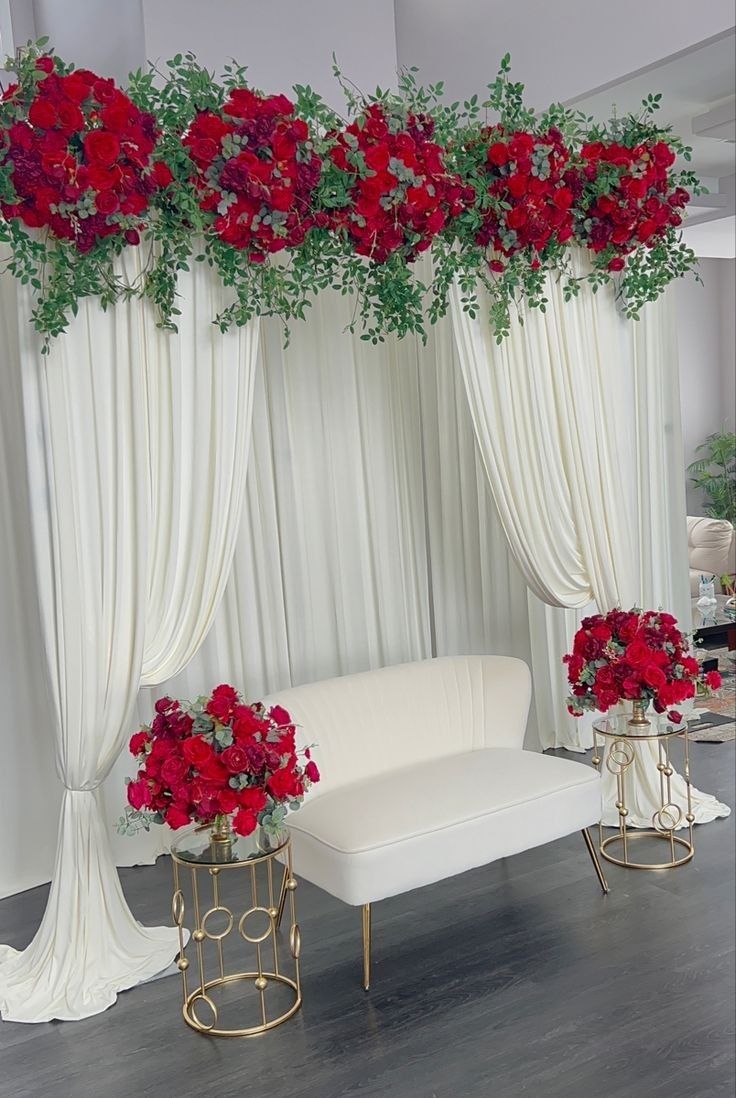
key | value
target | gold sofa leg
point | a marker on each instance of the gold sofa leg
(594, 858)
(366, 946)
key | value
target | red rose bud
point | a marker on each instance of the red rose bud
(132, 236)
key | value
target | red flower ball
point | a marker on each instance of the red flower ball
(82, 158)
(256, 171)
(400, 194)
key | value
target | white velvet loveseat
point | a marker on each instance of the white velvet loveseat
(424, 777)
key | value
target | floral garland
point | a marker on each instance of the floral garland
(87, 169)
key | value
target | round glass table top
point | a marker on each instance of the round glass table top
(617, 724)
(194, 848)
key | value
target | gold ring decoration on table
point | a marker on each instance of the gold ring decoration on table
(620, 738)
(251, 883)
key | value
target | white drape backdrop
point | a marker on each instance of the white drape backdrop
(369, 536)
(136, 451)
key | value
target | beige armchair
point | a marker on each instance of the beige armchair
(711, 545)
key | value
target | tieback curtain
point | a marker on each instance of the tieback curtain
(136, 451)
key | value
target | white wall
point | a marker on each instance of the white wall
(558, 50)
(104, 35)
(283, 42)
(705, 323)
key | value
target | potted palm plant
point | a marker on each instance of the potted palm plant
(715, 474)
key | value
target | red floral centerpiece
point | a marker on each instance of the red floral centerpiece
(81, 156)
(217, 759)
(627, 198)
(396, 193)
(636, 655)
(528, 193)
(256, 171)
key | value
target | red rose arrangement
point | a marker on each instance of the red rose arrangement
(633, 655)
(531, 193)
(82, 157)
(218, 757)
(627, 198)
(398, 193)
(256, 171)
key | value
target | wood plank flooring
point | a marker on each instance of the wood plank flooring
(517, 979)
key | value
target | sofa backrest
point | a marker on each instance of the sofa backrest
(711, 546)
(368, 724)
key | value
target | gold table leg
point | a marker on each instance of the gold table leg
(366, 946)
(594, 858)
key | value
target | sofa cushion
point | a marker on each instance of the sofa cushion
(386, 834)
(711, 549)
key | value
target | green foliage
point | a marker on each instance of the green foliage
(715, 474)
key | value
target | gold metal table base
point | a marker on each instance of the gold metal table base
(189, 1010)
(219, 927)
(620, 758)
(671, 840)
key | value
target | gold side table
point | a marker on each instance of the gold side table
(242, 920)
(617, 751)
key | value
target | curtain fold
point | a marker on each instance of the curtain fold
(543, 420)
(87, 462)
(199, 389)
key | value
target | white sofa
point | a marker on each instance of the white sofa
(424, 777)
(711, 550)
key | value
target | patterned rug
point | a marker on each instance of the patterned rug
(717, 722)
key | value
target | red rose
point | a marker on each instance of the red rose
(197, 751)
(70, 117)
(138, 742)
(498, 153)
(174, 769)
(674, 716)
(253, 799)
(235, 759)
(654, 676)
(222, 702)
(107, 202)
(244, 822)
(116, 117)
(713, 680)
(132, 236)
(45, 64)
(228, 799)
(42, 114)
(101, 146)
(311, 771)
(245, 723)
(284, 784)
(163, 705)
(637, 654)
(631, 688)
(617, 264)
(213, 771)
(139, 794)
(161, 174)
(176, 817)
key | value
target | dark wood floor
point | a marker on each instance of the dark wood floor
(516, 979)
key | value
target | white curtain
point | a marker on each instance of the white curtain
(368, 534)
(137, 447)
(544, 417)
(575, 415)
(199, 389)
(88, 476)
